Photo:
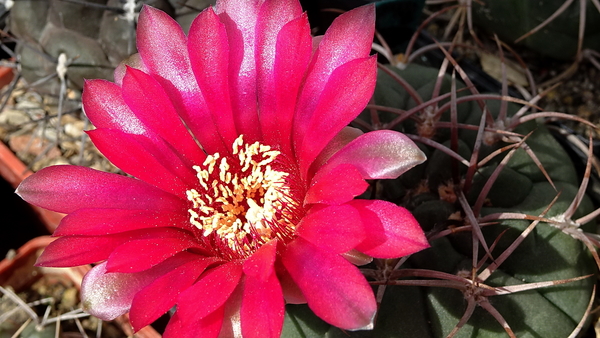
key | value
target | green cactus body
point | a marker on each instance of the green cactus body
(93, 38)
(546, 254)
(511, 19)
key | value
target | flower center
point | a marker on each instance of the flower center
(245, 202)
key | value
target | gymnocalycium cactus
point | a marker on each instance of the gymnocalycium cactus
(551, 28)
(499, 199)
(94, 36)
(503, 212)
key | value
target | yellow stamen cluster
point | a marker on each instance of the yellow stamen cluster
(242, 203)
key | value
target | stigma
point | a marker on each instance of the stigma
(243, 200)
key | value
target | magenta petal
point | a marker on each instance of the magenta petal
(357, 258)
(260, 264)
(283, 53)
(327, 187)
(152, 155)
(334, 228)
(347, 93)
(79, 250)
(146, 97)
(66, 188)
(209, 54)
(210, 292)
(339, 141)
(291, 292)
(175, 329)
(169, 63)
(142, 254)
(105, 108)
(263, 307)
(133, 61)
(232, 326)
(392, 230)
(75, 251)
(273, 16)
(316, 40)
(207, 327)
(335, 290)
(379, 154)
(348, 38)
(351, 32)
(159, 296)
(98, 222)
(126, 153)
(109, 295)
(239, 18)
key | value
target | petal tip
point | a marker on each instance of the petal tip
(369, 326)
(418, 156)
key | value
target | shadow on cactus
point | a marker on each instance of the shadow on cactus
(504, 210)
(561, 29)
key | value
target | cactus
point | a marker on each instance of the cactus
(499, 198)
(516, 20)
(20, 319)
(94, 35)
(506, 200)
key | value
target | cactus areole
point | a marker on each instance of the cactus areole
(243, 176)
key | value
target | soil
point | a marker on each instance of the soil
(29, 124)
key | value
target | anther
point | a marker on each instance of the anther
(242, 201)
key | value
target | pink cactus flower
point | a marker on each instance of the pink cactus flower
(244, 176)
